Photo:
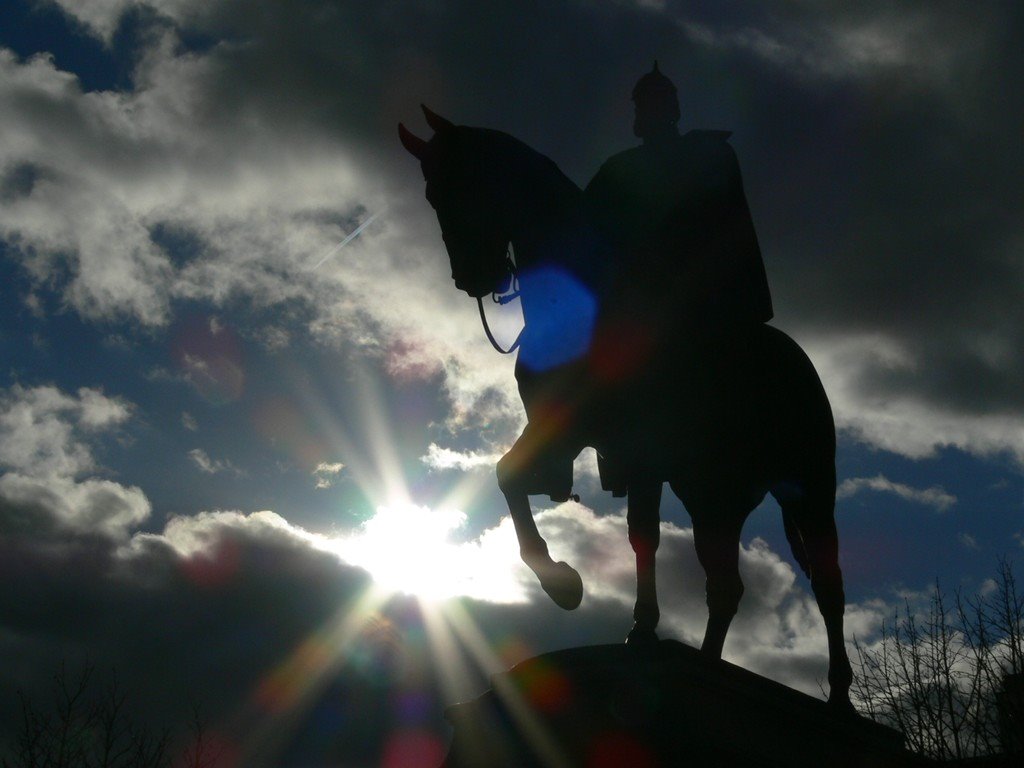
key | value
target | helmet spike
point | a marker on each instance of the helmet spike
(655, 84)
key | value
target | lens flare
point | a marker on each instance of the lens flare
(563, 313)
(413, 748)
(208, 355)
(410, 549)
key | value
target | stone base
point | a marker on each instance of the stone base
(663, 705)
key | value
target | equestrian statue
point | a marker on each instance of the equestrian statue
(645, 337)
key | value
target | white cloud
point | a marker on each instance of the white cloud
(76, 216)
(42, 429)
(101, 17)
(825, 42)
(99, 411)
(933, 497)
(585, 469)
(36, 435)
(405, 548)
(778, 631)
(272, 337)
(902, 423)
(201, 534)
(45, 439)
(969, 541)
(326, 474)
(448, 458)
(210, 466)
(110, 171)
(201, 460)
(85, 506)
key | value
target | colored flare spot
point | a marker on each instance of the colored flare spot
(276, 692)
(545, 688)
(209, 356)
(412, 748)
(412, 706)
(281, 689)
(560, 314)
(512, 650)
(621, 349)
(615, 749)
(377, 652)
(287, 428)
(212, 568)
(215, 749)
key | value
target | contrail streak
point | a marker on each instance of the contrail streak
(351, 236)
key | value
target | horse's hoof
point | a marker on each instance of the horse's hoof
(641, 637)
(563, 585)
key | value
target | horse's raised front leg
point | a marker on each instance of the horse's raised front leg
(560, 581)
(643, 519)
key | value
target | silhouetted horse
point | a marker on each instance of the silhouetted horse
(722, 439)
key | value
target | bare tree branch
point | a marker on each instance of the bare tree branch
(81, 729)
(939, 675)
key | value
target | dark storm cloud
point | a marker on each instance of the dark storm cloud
(879, 145)
(879, 149)
(223, 620)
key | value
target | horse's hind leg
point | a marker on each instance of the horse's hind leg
(716, 537)
(816, 528)
(643, 520)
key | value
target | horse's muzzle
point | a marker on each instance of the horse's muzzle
(475, 289)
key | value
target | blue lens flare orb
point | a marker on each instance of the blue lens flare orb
(560, 313)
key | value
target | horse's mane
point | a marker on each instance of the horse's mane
(527, 168)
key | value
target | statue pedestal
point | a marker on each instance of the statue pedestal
(665, 705)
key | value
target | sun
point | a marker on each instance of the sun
(407, 547)
(412, 549)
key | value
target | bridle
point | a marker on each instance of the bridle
(502, 299)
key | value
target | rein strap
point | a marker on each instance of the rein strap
(490, 336)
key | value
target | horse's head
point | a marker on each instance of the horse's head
(464, 190)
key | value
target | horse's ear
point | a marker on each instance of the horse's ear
(435, 121)
(417, 147)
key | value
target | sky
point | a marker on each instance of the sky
(246, 454)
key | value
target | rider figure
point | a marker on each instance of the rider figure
(682, 288)
(688, 284)
(675, 208)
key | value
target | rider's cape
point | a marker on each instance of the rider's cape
(679, 276)
(687, 278)
(677, 215)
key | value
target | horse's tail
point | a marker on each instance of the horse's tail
(796, 541)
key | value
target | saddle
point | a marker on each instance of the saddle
(682, 404)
